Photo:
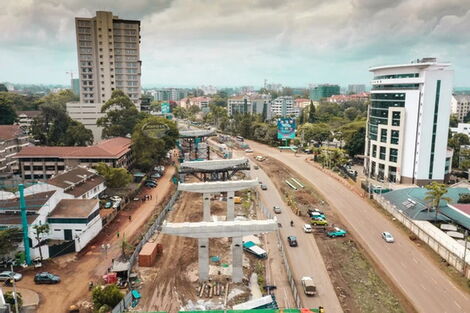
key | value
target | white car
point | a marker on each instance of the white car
(8, 275)
(248, 151)
(307, 228)
(387, 237)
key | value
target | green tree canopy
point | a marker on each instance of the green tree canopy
(19, 102)
(121, 116)
(435, 195)
(454, 121)
(9, 240)
(353, 134)
(318, 132)
(105, 298)
(311, 113)
(3, 88)
(78, 135)
(7, 113)
(59, 98)
(10, 299)
(150, 149)
(455, 142)
(115, 177)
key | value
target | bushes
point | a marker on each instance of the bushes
(105, 298)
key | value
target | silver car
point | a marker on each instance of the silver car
(8, 275)
(387, 237)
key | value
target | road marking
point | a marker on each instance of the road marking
(416, 261)
(457, 305)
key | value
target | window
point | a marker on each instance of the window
(396, 118)
(383, 135)
(393, 155)
(374, 151)
(382, 153)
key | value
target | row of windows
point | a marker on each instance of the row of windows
(393, 76)
(388, 96)
(84, 37)
(128, 64)
(380, 104)
(395, 86)
(127, 58)
(393, 156)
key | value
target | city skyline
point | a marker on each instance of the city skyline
(191, 43)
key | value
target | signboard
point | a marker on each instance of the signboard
(286, 128)
(165, 107)
(154, 130)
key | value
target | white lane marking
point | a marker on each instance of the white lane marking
(457, 305)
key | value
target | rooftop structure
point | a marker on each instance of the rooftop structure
(79, 182)
(12, 140)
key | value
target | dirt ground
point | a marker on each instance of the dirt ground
(76, 270)
(172, 283)
(358, 285)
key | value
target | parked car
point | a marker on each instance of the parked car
(319, 222)
(292, 240)
(277, 210)
(336, 232)
(264, 187)
(151, 181)
(108, 204)
(46, 278)
(150, 184)
(309, 286)
(155, 176)
(256, 167)
(307, 228)
(248, 151)
(9, 274)
(317, 215)
(388, 237)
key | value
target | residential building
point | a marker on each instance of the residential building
(75, 85)
(12, 140)
(462, 128)
(25, 119)
(42, 162)
(87, 114)
(302, 103)
(323, 91)
(79, 182)
(460, 106)
(169, 94)
(408, 122)
(356, 88)
(200, 102)
(108, 50)
(360, 97)
(254, 104)
(284, 107)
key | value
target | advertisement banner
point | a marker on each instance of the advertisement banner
(286, 128)
(165, 107)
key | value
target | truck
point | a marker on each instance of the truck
(251, 247)
(309, 287)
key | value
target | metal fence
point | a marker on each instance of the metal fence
(127, 300)
(431, 238)
(290, 277)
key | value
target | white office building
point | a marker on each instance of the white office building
(408, 122)
(284, 107)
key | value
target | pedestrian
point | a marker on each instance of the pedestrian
(130, 218)
(117, 234)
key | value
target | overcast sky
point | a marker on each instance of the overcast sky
(243, 42)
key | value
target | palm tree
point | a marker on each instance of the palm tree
(435, 194)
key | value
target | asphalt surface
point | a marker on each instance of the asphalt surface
(415, 274)
(305, 259)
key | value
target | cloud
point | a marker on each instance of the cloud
(229, 42)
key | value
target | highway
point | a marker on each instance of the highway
(305, 260)
(428, 289)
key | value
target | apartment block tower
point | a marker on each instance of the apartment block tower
(408, 122)
(108, 50)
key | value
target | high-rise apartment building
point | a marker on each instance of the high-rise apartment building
(356, 88)
(108, 51)
(408, 122)
(460, 106)
(284, 107)
(323, 91)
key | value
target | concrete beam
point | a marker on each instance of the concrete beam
(237, 259)
(206, 207)
(219, 229)
(203, 251)
(218, 186)
(196, 133)
(214, 164)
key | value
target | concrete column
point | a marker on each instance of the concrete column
(230, 206)
(203, 251)
(237, 259)
(206, 207)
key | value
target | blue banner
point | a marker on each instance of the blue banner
(286, 128)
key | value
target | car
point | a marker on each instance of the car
(292, 240)
(277, 210)
(150, 185)
(317, 215)
(9, 274)
(155, 176)
(108, 204)
(387, 237)
(319, 222)
(336, 232)
(46, 278)
(256, 167)
(153, 181)
(307, 228)
(309, 286)
(264, 187)
(248, 151)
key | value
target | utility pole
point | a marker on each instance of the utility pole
(24, 222)
(15, 295)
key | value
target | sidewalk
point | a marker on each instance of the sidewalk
(30, 297)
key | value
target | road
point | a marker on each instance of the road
(305, 260)
(428, 289)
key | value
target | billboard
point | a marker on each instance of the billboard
(165, 107)
(286, 128)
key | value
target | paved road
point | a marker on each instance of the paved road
(418, 277)
(304, 259)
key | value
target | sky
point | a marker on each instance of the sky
(242, 42)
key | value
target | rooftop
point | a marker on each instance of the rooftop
(110, 148)
(8, 132)
(77, 181)
(80, 208)
(15, 219)
(34, 202)
(28, 113)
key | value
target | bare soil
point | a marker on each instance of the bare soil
(359, 286)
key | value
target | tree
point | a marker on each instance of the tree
(3, 88)
(351, 113)
(155, 106)
(7, 113)
(150, 148)
(39, 230)
(10, 299)
(194, 109)
(78, 135)
(435, 195)
(454, 121)
(105, 298)
(121, 116)
(19, 102)
(319, 132)
(9, 240)
(114, 177)
(455, 143)
(59, 98)
(180, 112)
(353, 134)
(311, 113)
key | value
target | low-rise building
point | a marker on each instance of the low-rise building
(81, 183)
(251, 104)
(43, 162)
(201, 102)
(12, 140)
(87, 114)
(361, 97)
(460, 105)
(25, 119)
(462, 128)
(302, 103)
(284, 107)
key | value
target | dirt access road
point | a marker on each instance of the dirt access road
(426, 286)
(305, 260)
(91, 264)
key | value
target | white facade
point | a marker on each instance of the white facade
(460, 106)
(87, 114)
(462, 128)
(284, 106)
(408, 121)
(254, 105)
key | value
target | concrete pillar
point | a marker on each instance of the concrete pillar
(230, 206)
(206, 207)
(237, 259)
(203, 251)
